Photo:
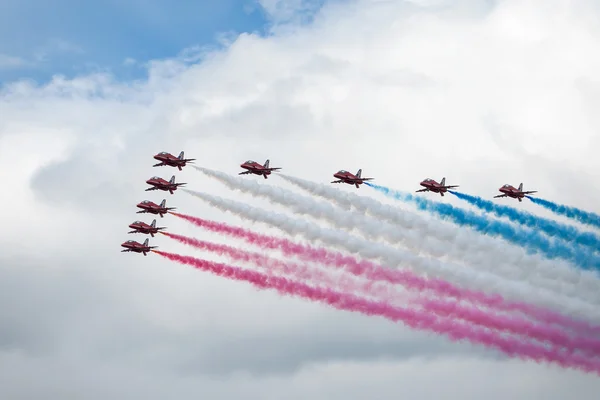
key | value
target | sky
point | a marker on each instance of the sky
(480, 92)
(71, 38)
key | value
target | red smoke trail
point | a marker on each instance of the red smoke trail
(412, 318)
(300, 271)
(377, 272)
(511, 324)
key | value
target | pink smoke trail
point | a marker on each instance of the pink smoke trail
(510, 324)
(300, 271)
(412, 318)
(377, 272)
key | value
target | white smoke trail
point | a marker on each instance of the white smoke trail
(551, 279)
(485, 246)
(472, 279)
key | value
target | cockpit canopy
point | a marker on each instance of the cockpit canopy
(428, 180)
(506, 186)
(155, 177)
(137, 222)
(163, 153)
(146, 202)
(249, 162)
(341, 171)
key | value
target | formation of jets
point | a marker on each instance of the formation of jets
(252, 167)
(150, 207)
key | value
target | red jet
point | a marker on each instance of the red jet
(349, 178)
(142, 227)
(432, 186)
(172, 161)
(161, 184)
(149, 207)
(255, 168)
(509, 191)
(132, 245)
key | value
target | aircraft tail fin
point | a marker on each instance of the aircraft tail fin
(172, 180)
(153, 224)
(520, 187)
(146, 242)
(266, 164)
(443, 182)
(359, 173)
(180, 156)
(163, 203)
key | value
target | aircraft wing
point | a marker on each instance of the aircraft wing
(161, 164)
(366, 179)
(422, 190)
(189, 160)
(338, 181)
(501, 195)
(245, 173)
(151, 188)
(529, 192)
(272, 169)
(451, 187)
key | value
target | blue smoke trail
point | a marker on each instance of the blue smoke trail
(552, 228)
(587, 218)
(532, 241)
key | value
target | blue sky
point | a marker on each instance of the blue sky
(71, 37)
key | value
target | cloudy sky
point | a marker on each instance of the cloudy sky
(483, 92)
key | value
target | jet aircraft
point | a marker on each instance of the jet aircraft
(349, 178)
(160, 184)
(142, 227)
(132, 245)
(255, 168)
(172, 161)
(431, 185)
(150, 207)
(510, 191)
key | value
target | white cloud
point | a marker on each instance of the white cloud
(7, 61)
(280, 11)
(482, 95)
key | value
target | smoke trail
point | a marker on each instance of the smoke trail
(584, 217)
(474, 279)
(415, 319)
(476, 249)
(552, 228)
(376, 272)
(545, 278)
(530, 240)
(509, 324)
(299, 271)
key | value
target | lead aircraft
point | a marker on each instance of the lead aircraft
(172, 161)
